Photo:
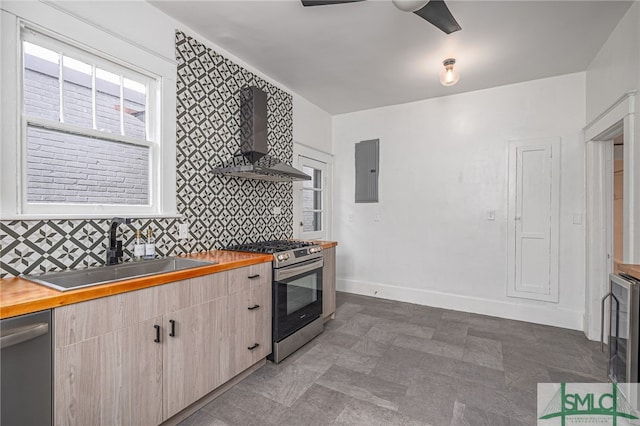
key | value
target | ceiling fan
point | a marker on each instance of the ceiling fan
(433, 11)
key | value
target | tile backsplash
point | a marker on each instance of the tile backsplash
(219, 210)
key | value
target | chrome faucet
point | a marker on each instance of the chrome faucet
(114, 251)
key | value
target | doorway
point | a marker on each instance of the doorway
(603, 246)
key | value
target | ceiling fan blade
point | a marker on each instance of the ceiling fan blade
(326, 2)
(437, 13)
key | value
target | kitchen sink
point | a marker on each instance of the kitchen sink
(71, 280)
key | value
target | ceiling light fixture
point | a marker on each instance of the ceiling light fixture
(410, 5)
(449, 76)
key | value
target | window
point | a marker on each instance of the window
(312, 198)
(93, 138)
(87, 140)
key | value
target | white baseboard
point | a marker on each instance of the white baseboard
(547, 315)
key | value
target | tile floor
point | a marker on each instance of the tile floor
(382, 362)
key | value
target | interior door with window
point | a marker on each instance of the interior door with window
(311, 200)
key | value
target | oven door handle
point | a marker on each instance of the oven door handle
(301, 268)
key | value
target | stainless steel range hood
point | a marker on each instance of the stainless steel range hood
(253, 162)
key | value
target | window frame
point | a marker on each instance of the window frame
(111, 54)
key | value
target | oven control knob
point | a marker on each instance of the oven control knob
(286, 256)
(280, 257)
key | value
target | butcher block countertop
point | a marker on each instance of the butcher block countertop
(327, 244)
(633, 270)
(19, 296)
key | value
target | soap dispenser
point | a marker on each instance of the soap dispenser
(138, 247)
(150, 246)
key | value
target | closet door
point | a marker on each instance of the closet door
(533, 220)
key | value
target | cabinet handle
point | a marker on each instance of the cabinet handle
(251, 308)
(173, 328)
(251, 277)
(255, 345)
(157, 339)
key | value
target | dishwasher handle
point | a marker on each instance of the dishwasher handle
(22, 334)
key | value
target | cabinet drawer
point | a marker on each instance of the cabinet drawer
(196, 290)
(249, 277)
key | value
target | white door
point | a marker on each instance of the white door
(534, 184)
(312, 200)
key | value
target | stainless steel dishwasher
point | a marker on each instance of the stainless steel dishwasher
(26, 370)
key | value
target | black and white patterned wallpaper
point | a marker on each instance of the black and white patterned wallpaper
(219, 210)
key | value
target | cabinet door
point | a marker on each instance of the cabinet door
(260, 321)
(329, 282)
(249, 315)
(196, 353)
(113, 378)
(250, 321)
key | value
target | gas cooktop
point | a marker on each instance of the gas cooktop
(274, 246)
(285, 252)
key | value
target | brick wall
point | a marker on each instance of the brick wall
(76, 169)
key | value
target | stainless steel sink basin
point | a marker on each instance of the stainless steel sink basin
(71, 280)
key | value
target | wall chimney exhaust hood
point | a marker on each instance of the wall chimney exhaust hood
(253, 162)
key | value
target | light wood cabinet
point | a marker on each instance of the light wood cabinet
(329, 283)
(195, 354)
(109, 368)
(250, 316)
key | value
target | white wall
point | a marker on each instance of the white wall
(613, 72)
(152, 29)
(311, 125)
(616, 68)
(443, 165)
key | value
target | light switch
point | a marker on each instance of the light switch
(491, 215)
(350, 217)
(577, 219)
(183, 231)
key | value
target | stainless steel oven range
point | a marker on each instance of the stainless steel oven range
(296, 293)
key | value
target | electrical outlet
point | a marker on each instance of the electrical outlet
(183, 231)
